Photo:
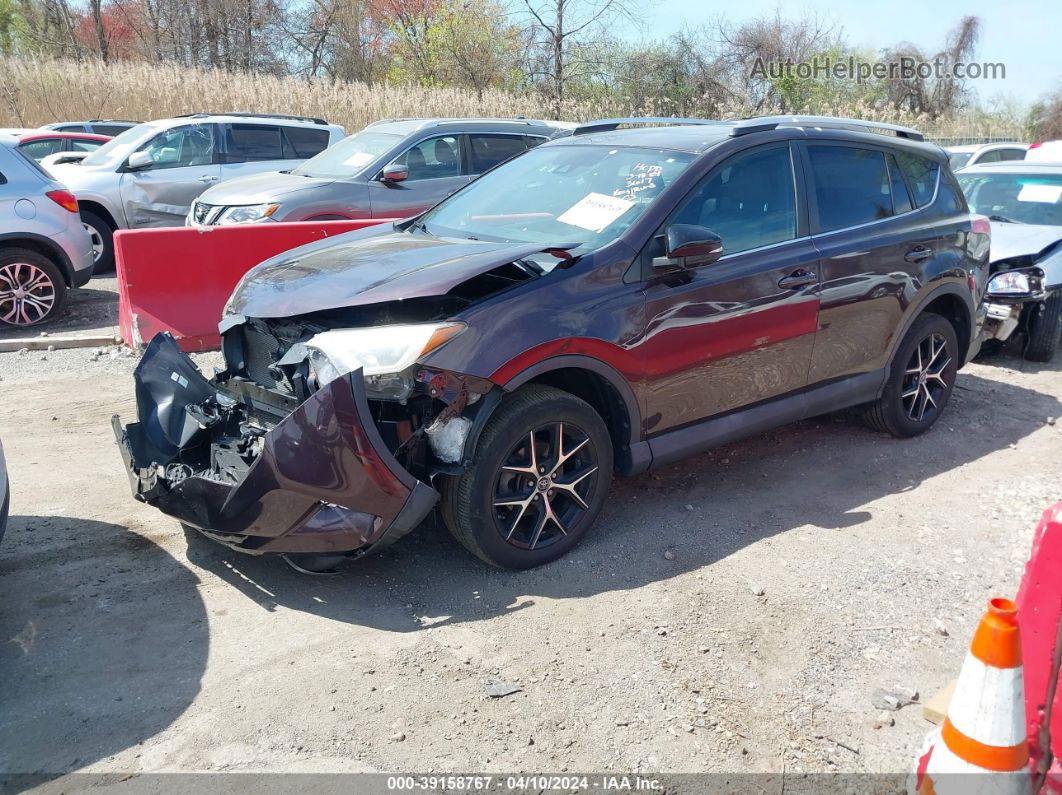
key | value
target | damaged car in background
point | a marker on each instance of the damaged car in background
(607, 302)
(1023, 202)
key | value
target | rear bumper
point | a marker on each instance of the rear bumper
(320, 480)
(77, 248)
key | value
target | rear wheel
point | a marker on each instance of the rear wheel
(32, 289)
(537, 483)
(920, 381)
(102, 237)
(1045, 326)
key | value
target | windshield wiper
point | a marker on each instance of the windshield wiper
(1004, 219)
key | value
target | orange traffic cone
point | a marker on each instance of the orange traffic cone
(981, 746)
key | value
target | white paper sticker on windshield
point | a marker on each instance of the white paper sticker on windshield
(359, 159)
(1047, 194)
(595, 211)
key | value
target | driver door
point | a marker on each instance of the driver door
(740, 330)
(184, 164)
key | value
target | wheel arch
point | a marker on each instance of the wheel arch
(96, 208)
(595, 382)
(43, 246)
(952, 302)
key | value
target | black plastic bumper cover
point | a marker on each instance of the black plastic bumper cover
(323, 483)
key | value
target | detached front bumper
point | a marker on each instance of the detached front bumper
(317, 480)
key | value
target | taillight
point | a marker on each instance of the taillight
(981, 225)
(64, 199)
(1037, 145)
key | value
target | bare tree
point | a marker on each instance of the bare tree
(930, 94)
(559, 33)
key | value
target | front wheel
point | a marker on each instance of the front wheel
(921, 379)
(537, 482)
(1045, 326)
(102, 236)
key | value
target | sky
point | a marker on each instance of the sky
(1024, 35)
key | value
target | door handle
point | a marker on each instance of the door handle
(207, 178)
(797, 279)
(918, 254)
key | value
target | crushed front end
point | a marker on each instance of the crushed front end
(270, 457)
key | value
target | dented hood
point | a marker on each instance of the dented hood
(1017, 240)
(368, 266)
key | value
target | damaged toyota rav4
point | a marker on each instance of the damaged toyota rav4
(605, 303)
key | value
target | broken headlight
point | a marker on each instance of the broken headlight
(385, 354)
(1009, 283)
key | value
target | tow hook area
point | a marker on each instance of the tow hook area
(259, 473)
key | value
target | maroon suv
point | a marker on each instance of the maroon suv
(608, 302)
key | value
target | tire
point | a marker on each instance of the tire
(102, 241)
(43, 301)
(916, 393)
(1045, 326)
(470, 501)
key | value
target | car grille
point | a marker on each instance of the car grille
(201, 212)
(261, 351)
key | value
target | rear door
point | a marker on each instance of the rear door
(253, 149)
(742, 329)
(437, 167)
(185, 162)
(486, 150)
(874, 245)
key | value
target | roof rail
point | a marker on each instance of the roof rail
(606, 125)
(124, 121)
(244, 115)
(764, 123)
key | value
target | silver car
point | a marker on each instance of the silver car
(391, 169)
(44, 249)
(150, 174)
(979, 154)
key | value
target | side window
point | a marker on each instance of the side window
(42, 148)
(305, 142)
(749, 202)
(250, 142)
(533, 140)
(489, 150)
(901, 199)
(85, 146)
(991, 156)
(1011, 154)
(951, 200)
(190, 145)
(921, 175)
(70, 128)
(433, 158)
(852, 186)
(109, 129)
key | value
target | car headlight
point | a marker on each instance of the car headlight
(1009, 283)
(384, 353)
(247, 214)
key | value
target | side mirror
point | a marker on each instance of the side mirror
(396, 172)
(693, 245)
(138, 161)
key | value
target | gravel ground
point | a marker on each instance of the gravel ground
(731, 613)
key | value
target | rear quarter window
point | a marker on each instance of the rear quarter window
(306, 141)
(922, 174)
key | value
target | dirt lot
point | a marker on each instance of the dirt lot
(731, 613)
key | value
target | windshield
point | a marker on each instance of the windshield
(120, 147)
(349, 157)
(1020, 198)
(559, 194)
(959, 159)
